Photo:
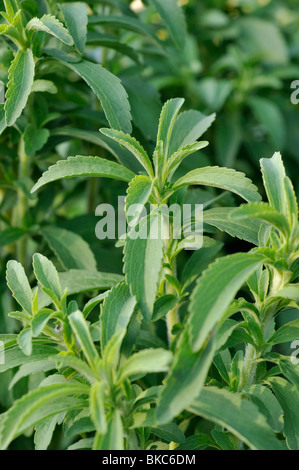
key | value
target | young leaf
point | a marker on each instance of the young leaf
(40, 320)
(147, 361)
(72, 251)
(273, 175)
(116, 312)
(132, 145)
(75, 15)
(80, 328)
(215, 290)
(109, 90)
(51, 25)
(238, 415)
(143, 276)
(21, 75)
(45, 272)
(83, 166)
(18, 284)
(188, 127)
(176, 159)
(25, 341)
(168, 116)
(224, 178)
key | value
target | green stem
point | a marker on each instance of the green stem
(172, 317)
(22, 206)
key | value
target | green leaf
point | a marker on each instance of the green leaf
(11, 235)
(34, 139)
(25, 341)
(121, 154)
(287, 394)
(109, 90)
(196, 442)
(269, 115)
(15, 357)
(215, 290)
(80, 328)
(268, 405)
(116, 312)
(31, 368)
(176, 159)
(43, 86)
(72, 251)
(97, 407)
(224, 178)
(290, 370)
(168, 116)
(245, 229)
(185, 379)
(18, 284)
(40, 320)
(290, 291)
(200, 260)
(142, 277)
(124, 22)
(286, 333)
(132, 145)
(113, 439)
(174, 19)
(188, 127)
(273, 175)
(44, 432)
(51, 25)
(21, 75)
(146, 361)
(92, 303)
(138, 192)
(38, 405)
(80, 280)
(75, 15)
(169, 432)
(84, 166)
(264, 212)
(68, 359)
(45, 272)
(263, 39)
(163, 305)
(145, 105)
(238, 415)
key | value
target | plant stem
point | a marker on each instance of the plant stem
(172, 316)
(22, 206)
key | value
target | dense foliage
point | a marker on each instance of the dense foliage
(141, 342)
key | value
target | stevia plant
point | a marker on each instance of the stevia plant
(101, 368)
(175, 353)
